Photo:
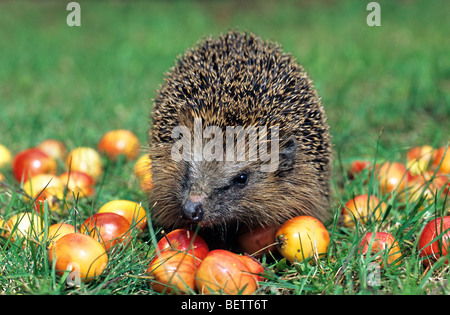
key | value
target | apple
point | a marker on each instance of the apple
(357, 167)
(45, 187)
(224, 272)
(54, 148)
(54, 198)
(362, 208)
(186, 241)
(429, 249)
(255, 267)
(31, 162)
(258, 241)
(142, 166)
(36, 184)
(85, 159)
(84, 256)
(383, 244)
(302, 237)
(146, 183)
(132, 211)
(58, 230)
(119, 142)
(419, 158)
(108, 228)
(143, 171)
(2, 222)
(426, 184)
(5, 156)
(24, 225)
(441, 160)
(173, 272)
(392, 177)
(78, 183)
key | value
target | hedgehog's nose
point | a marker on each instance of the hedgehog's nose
(192, 211)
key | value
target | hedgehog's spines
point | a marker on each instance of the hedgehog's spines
(237, 79)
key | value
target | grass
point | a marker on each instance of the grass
(384, 89)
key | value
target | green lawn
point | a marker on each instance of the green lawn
(76, 83)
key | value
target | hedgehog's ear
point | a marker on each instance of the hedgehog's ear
(287, 154)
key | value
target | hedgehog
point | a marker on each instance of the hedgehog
(238, 80)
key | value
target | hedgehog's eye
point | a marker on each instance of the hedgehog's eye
(241, 179)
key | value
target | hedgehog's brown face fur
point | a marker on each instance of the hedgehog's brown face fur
(238, 80)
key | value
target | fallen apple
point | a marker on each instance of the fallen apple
(419, 158)
(85, 159)
(5, 156)
(58, 230)
(43, 187)
(132, 211)
(383, 245)
(255, 267)
(109, 229)
(432, 245)
(362, 208)
(79, 184)
(441, 161)
(302, 237)
(223, 272)
(54, 148)
(119, 142)
(30, 162)
(186, 241)
(173, 272)
(259, 241)
(23, 226)
(143, 166)
(83, 256)
(392, 177)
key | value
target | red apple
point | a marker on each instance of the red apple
(432, 250)
(119, 142)
(185, 240)
(381, 242)
(254, 266)
(31, 162)
(108, 228)
(224, 272)
(173, 272)
(54, 148)
(258, 241)
(357, 167)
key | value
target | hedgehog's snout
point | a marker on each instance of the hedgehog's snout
(192, 211)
